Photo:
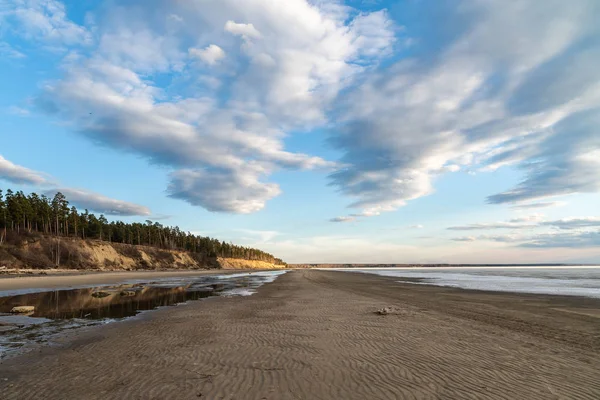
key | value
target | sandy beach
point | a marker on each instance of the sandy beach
(315, 335)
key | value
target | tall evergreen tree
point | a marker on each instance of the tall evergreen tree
(38, 213)
(2, 218)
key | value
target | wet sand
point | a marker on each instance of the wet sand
(64, 279)
(314, 335)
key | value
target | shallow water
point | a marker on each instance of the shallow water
(570, 281)
(58, 310)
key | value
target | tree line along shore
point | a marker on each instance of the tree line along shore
(41, 232)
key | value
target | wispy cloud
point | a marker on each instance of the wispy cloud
(575, 239)
(81, 198)
(20, 111)
(100, 203)
(21, 175)
(467, 100)
(546, 204)
(7, 51)
(574, 223)
(533, 221)
(342, 219)
(491, 225)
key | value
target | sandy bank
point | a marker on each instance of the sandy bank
(314, 335)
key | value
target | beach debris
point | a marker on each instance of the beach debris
(385, 311)
(22, 309)
(100, 294)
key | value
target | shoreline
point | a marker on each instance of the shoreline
(315, 335)
(91, 278)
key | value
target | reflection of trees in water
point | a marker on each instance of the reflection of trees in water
(120, 301)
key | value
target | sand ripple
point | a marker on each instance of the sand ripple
(314, 335)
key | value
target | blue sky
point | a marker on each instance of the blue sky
(321, 131)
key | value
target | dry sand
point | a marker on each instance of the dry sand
(314, 335)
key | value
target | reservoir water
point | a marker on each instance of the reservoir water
(569, 281)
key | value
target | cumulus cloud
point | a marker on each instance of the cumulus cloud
(222, 190)
(84, 199)
(44, 20)
(244, 30)
(499, 84)
(210, 55)
(221, 146)
(21, 175)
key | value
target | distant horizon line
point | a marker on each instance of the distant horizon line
(455, 265)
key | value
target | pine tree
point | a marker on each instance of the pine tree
(40, 214)
(2, 218)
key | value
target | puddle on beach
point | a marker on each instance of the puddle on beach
(59, 310)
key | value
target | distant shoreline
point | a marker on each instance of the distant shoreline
(436, 265)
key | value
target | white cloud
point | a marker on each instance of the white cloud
(416, 227)
(532, 221)
(574, 223)
(210, 55)
(21, 175)
(235, 191)
(43, 20)
(514, 85)
(529, 218)
(81, 198)
(492, 225)
(585, 239)
(547, 204)
(84, 199)
(465, 239)
(244, 30)
(139, 49)
(564, 240)
(575, 232)
(7, 51)
(221, 149)
(20, 111)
